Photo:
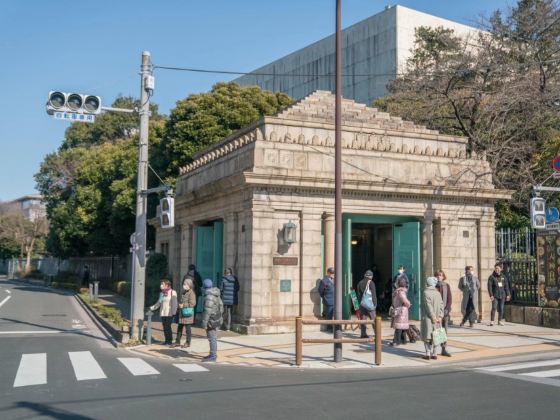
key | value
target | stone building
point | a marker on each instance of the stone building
(374, 51)
(411, 196)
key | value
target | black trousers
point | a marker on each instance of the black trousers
(166, 321)
(470, 313)
(366, 314)
(180, 333)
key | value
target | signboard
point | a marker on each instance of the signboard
(285, 285)
(556, 164)
(552, 226)
(551, 214)
(74, 116)
(285, 260)
(548, 268)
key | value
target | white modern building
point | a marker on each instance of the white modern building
(374, 51)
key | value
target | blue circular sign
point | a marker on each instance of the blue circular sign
(552, 215)
(556, 164)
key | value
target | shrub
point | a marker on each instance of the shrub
(122, 288)
(61, 285)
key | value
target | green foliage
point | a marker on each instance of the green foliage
(157, 268)
(111, 314)
(202, 119)
(9, 248)
(122, 288)
(65, 286)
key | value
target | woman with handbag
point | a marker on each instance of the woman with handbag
(432, 314)
(167, 305)
(186, 312)
(399, 319)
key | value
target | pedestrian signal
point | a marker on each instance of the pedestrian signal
(167, 212)
(538, 213)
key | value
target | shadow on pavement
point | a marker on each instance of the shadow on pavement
(46, 410)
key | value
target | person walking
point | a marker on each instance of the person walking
(212, 317)
(187, 306)
(167, 305)
(499, 291)
(326, 291)
(367, 310)
(469, 285)
(445, 291)
(432, 314)
(229, 290)
(399, 320)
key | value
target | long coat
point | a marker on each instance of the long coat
(432, 308)
(229, 289)
(469, 288)
(188, 300)
(400, 305)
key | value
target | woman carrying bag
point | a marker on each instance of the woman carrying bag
(187, 306)
(399, 319)
(432, 314)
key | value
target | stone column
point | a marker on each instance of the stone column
(328, 229)
(486, 261)
(427, 247)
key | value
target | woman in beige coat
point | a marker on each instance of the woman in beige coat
(432, 314)
(187, 300)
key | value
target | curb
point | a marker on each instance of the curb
(112, 334)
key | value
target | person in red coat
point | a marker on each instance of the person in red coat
(445, 292)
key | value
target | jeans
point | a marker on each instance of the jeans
(180, 333)
(400, 337)
(166, 321)
(366, 314)
(227, 316)
(497, 304)
(329, 314)
(212, 335)
(470, 313)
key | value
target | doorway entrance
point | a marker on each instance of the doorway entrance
(381, 244)
(209, 251)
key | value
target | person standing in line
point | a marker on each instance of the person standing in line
(366, 285)
(469, 285)
(197, 280)
(188, 300)
(229, 290)
(445, 291)
(212, 317)
(401, 271)
(499, 291)
(326, 291)
(400, 315)
(432, 314)
(167, 305)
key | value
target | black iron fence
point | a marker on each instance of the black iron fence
(516, 250)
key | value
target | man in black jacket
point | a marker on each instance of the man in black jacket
(362, 288)
(498, 289)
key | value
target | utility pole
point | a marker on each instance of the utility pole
(338, 189)
(139, 245)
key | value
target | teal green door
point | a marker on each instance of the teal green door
(346, 266)
(209, 253)
(406, 251)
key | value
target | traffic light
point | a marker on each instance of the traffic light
(167, 212)
(538, 213)
(73, 102)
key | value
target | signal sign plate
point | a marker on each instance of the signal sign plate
(74, 116)
(552, 214)
(556, 164)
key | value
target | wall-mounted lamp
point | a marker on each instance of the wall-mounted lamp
(290, 232)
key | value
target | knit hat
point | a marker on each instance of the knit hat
(207, 284)
(431, 281)
(369, 274)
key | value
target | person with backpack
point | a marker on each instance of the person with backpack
(229, 290)
(212, 317)
(368, 300)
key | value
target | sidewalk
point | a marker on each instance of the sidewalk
(278, 350)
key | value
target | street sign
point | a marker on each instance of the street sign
(74, 116)
(556, 164)
(552, 214)
(552, 226)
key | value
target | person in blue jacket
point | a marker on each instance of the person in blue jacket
(229, 290)
(326, 291)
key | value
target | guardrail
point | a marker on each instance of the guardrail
(300, 322)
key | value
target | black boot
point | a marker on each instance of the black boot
(444, 352)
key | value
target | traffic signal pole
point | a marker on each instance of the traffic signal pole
(139, 247)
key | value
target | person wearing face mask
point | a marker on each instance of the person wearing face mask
(469, 285)
(186, 312)
(167, 305)
(401, 272)
(499, 291)
(432, 314)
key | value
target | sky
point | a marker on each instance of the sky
(94, 47)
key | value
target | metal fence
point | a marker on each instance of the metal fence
(516, 250)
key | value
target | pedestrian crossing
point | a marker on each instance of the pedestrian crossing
(33, 368)
(545, 372)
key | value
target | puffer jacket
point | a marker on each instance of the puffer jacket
(213, 309)
(229, 289)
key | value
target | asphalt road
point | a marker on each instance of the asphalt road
(81, 376)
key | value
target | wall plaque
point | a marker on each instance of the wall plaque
(285, 260)
(285, 285)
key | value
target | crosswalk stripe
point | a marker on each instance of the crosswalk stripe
(190, 367)
(85, 366)
(504, 368)
(137, 366)
(32, 370)
(543, 373)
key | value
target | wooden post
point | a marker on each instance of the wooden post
(377, 340)
(299, 344)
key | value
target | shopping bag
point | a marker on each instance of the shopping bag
(439, 336)
(367, 299)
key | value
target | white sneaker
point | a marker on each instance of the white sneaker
(501, 323)
(491, 324)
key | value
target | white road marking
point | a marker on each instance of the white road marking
(32, 370)
(503, 368)
(8, 292)
(7, 298)
(543, 373)
(85, 366)
(32, 332)
(190, 367)
(137, 366)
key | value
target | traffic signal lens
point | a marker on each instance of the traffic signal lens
(91, 104)
(57, 100)
(74, 102)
